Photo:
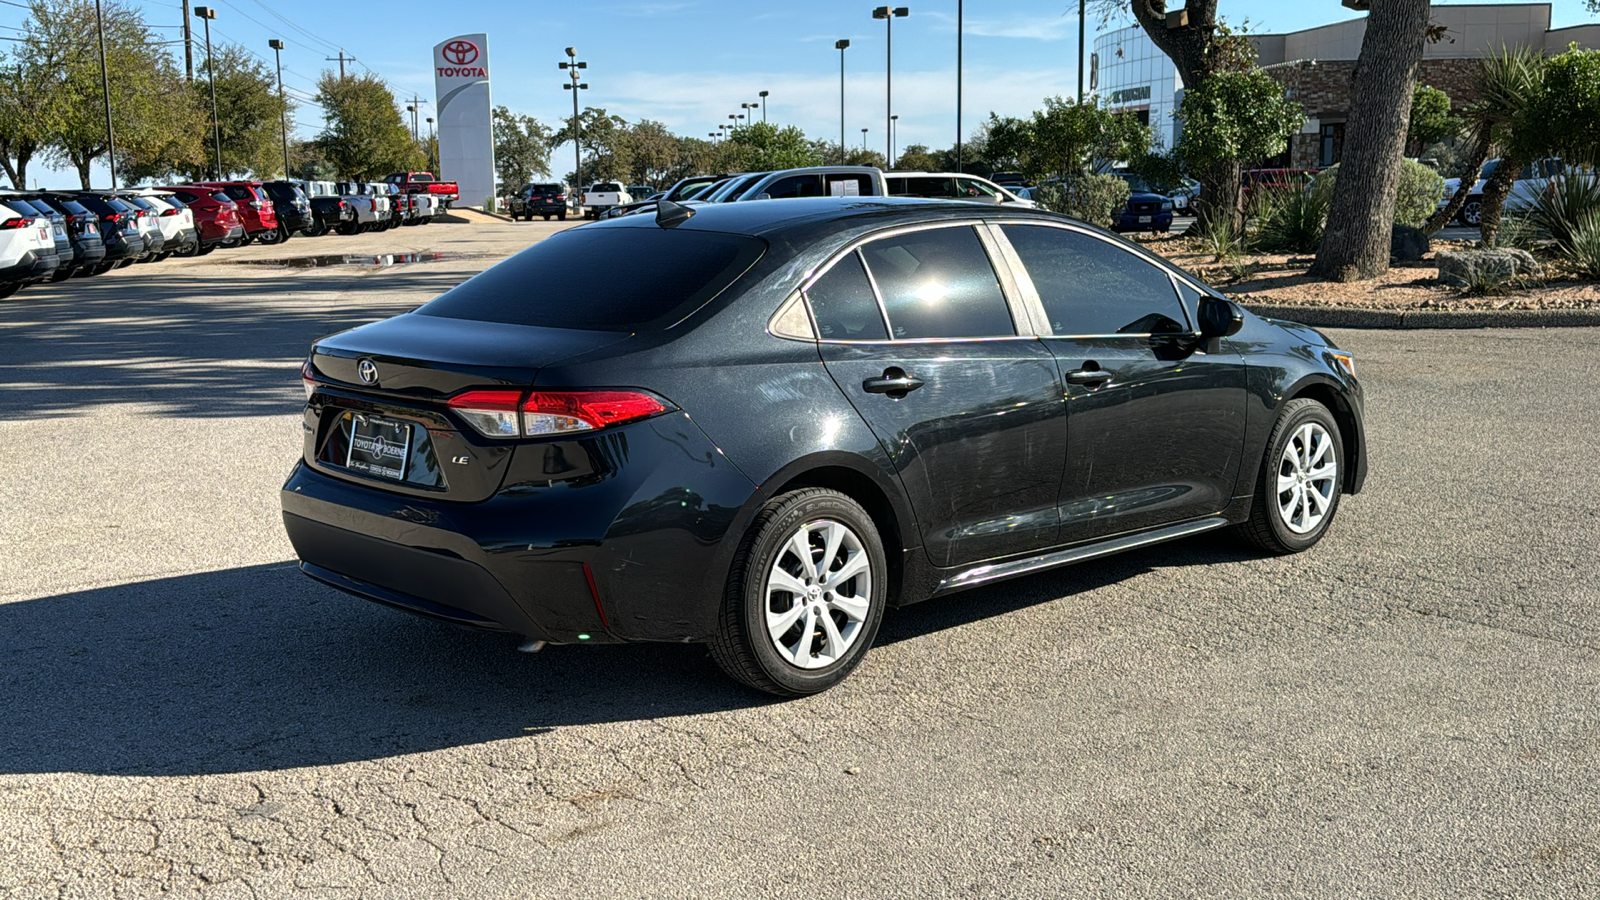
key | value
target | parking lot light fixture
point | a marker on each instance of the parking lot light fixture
(572, 66)
(207, 13)
(764, 106)
(283, 105)
(863, 139)
(841, 45)
(888, 14)
(432, 166)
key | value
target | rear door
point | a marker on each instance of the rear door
(919, 335)
(1156, 425)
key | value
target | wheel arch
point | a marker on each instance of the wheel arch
(1330, 395)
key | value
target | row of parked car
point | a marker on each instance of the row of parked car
(59, 234)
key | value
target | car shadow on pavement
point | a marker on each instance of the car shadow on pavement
(190, 343)
(260, 668)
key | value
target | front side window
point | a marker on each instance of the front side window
(843, 304)
(794, 186)
(974, 189)
(938, 283)
(1091, 287)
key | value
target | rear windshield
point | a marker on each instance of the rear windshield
(421, 176)
(604, 279)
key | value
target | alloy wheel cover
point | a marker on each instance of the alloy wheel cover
(817, 594)
(1308, 478)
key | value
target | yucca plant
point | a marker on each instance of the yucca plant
(1570, 200)
(1221, 237)
(1291, 221)
(1583, 247)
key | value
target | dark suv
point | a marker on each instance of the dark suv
(540, 200)
(770, 421)
(292, 206)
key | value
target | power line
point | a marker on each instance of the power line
(291, 24)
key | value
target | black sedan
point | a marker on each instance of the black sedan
(767, 422)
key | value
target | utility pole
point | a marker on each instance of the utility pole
(1080, 51)
(841, 45)
(105, 86)
(342, 60)
(959, 4)
(188, 44)
(572, 65)
(283, 104)
(413, 108)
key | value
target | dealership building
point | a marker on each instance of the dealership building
(1131, 74)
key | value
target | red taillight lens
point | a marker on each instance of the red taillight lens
(16, 223)
(490, 413)
(308, 376)
(562, 412)
(170, 212)
(114, 217)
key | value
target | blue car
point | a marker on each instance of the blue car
(1146, 209)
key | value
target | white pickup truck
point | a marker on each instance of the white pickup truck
(1532, 181)
(601, 196)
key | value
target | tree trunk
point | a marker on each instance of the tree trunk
(82, 165)
(1221, 196)
(1355, 244)
(1494, 198)
(1480, 153)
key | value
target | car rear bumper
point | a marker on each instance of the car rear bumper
(33, 265)
(580, 543)
(89, 255)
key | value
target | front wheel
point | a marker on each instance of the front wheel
(1471, 212)
(805, 595)
(1298, 490)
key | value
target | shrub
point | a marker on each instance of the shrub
(1290, 220)
(1583, 247)
(1418, 196)
(1559, 211)
(1096, 199)
(1221, 237)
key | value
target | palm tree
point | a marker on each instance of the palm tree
(1506, 85)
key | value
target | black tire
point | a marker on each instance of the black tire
(1266, 528)
(61, 274)
(546, 217)
(206, 249)
(743, 647)
(7, 288)
(562, 215)
(1471, 212)
(349, 228)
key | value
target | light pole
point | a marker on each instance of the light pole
(413, 111)
(863, 139)
(105, 88)
(207, 13)
(841, 45)
(572, 65)
(749, 111)
(1080, 51)
(888, 14)
(431, 163)
(958, 85)
(283, 105)
(764, 106)
(894, 122)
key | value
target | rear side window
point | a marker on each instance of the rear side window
(795, 186)
(938, 283)
(843, 304)
(1092, 287)
(604, 279)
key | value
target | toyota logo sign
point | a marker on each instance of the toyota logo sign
(368, 370)
(460, 52)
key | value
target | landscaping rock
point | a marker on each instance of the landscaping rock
(1407, 244)
(1459, 267)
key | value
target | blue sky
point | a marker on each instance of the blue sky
(690, 63)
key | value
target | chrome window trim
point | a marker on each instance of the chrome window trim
(1024, 278)
(1014, 280)
(877, 293)
(955, 340)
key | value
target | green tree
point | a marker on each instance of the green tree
(1065, 138)
(248, 114)
(918, 158)
(1233, 119)
(602, 137)
(150, 102)
(1568, 106)
(521, 148)
(363, 136)
(652, 152)
(1431, 118)
(766, 147)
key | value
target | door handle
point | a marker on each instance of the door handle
(894, 381)
(1091, 375)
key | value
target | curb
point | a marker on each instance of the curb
(1349, 317)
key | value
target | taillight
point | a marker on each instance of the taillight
(113, 218)
(16, 223)
(170, 212)
(490, 413)
(308, 376)
(507, 414)
(561, 412)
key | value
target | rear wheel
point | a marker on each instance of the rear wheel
(805, 596)
(562, 215)
(1298, 490)
(7, 288)
(1471, 212)
(61, 274)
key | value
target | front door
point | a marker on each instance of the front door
(1155, 424)
(920, 338)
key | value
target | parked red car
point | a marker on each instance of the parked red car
(255, 208)
(216, 216)
(1277, 179)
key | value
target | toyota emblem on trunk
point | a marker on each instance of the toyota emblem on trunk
(368, 370)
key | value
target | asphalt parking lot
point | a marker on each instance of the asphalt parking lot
(1410, 709)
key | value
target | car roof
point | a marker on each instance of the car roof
(823, 215)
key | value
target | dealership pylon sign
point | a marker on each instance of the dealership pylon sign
(466, 132)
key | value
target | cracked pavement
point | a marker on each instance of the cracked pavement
(1410, 709)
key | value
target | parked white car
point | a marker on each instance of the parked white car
(601, 196)
(952, 186)
(371, 210)
(1532, 181)
(27, 249)
(175, 221)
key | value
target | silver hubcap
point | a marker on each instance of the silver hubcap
(818, 594)
(1308, 476)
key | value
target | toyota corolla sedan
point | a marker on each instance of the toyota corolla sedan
(768, 422)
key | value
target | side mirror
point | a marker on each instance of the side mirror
(1219, 318)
